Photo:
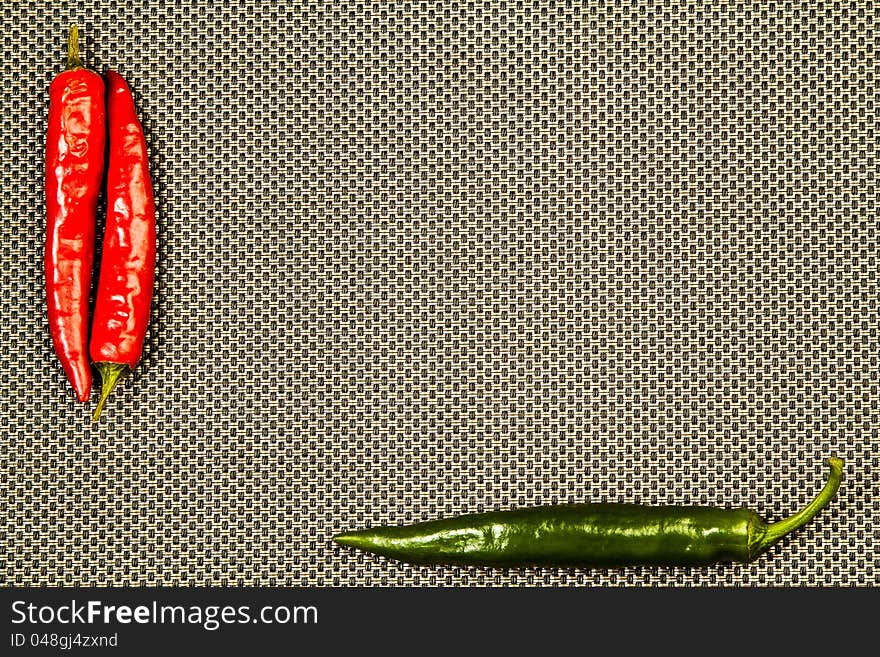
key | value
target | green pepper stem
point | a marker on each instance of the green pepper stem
(111, 373)
(73, 60)
(777, 530)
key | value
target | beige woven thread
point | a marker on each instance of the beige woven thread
(424, 258)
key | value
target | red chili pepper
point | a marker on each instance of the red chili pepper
(125, 286)
(75, 139)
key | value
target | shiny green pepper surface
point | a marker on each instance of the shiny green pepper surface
(570, 535)
(592, 535)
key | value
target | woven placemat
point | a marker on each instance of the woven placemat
(424, 258)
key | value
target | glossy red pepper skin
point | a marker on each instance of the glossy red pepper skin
(125, 285)
(75, 139)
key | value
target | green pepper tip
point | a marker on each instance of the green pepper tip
(369, 540)
(349, 539)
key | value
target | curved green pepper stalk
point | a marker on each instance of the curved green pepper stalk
(73, 60)
(763, 536)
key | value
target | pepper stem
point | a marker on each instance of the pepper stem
(73, 60)
(111, 373)
(777, 530)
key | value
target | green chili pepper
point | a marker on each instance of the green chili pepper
(600, 535)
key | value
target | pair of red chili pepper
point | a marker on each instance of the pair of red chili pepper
(82, 122)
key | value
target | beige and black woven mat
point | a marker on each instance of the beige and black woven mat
(424, 258)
